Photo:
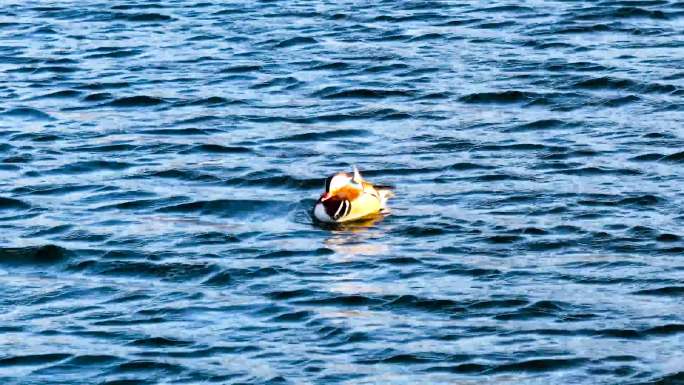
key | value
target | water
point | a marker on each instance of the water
(159, 161)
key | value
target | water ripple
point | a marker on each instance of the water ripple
(159, 162)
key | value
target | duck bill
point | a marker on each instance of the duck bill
(325, 196)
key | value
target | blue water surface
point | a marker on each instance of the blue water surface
(159, 160)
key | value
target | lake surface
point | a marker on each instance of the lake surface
(159, 160)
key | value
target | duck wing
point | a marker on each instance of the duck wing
(366, 204)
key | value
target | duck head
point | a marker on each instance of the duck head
(343, 186)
